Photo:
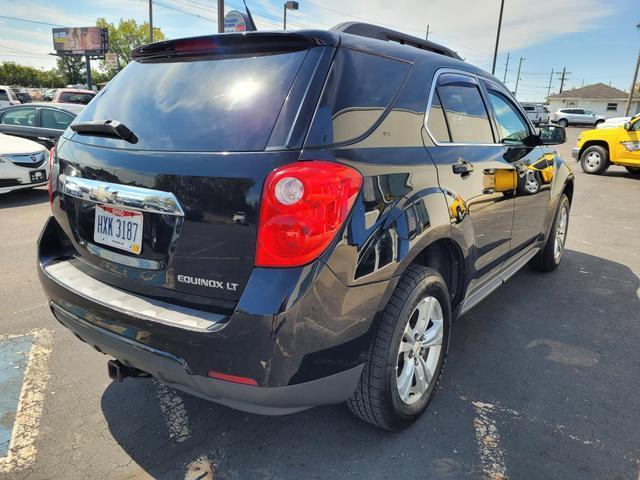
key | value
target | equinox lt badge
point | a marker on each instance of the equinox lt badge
(208, 283)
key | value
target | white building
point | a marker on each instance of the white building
(600, 98)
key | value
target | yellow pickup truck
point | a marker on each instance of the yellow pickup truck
(598, 149)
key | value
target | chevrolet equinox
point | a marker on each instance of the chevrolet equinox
(276, 221)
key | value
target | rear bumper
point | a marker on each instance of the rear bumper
(301, 335)
(171, 370)
(575, 153)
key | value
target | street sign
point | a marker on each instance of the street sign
(111, 60)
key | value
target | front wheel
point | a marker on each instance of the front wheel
(594, 160)
(633, 170)
(407, 353)
(549, 258)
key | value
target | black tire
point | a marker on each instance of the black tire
(546, 260)
(563, 123)
(599, 122)
(633, 170)
(589, 162)
(376, 399)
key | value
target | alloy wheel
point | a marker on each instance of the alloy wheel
(561, 233)
(419, 351)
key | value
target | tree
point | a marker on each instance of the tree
(73, 69)
(126, 36)
(13, 74)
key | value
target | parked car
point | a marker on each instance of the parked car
(22, 164)
(47, 95)
(371, 221)
(40, 122)
(538, 114)
(7, 97)
(72, 95)
(613, 122)
(576, 116)
(597, 150)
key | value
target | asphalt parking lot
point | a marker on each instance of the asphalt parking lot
(542, 380)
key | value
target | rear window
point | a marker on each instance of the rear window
(201, 104)
(529, 109)
(72, 97)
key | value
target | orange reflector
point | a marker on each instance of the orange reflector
(232, 378)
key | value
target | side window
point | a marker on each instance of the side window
(578, 111)
(4, 96)
(25, 117)
(513, 129)
(55, 119)
(464, 110)
(354, 97)
(436, 122)
(636, 126)
(588, 112)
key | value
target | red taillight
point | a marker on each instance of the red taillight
(52, 152)
(194, 45)
(232, 378)
(303, 206)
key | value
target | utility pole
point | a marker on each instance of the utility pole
(495, 52)
(563, 78)
(550, 80)
(426, 37)
(220, 16)
(582, 86)
(515, 92)
(150, 21)
(89, 79)
(633, 87)
(506, 67)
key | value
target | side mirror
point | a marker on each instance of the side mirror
(627, 125)
(552, 135)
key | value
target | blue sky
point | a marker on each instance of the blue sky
(596, 40)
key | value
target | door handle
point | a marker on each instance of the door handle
(462, 168)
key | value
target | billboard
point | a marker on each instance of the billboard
(81, 41)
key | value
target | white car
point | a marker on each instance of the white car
(23, 163)
(613, 122)
(538, 114)
(7, 97)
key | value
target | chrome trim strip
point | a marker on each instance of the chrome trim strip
(520, 261)
(483, 292)
(123, 259)
(134, 198)
(85, 286)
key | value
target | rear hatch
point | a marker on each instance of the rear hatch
(170, 208)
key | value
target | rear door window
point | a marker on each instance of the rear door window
(55, 119)
(464, 110)
(24, 117)
(358, 90)
(197, 104)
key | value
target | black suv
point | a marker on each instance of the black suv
(275, 221)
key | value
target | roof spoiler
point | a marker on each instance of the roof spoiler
(382, 33)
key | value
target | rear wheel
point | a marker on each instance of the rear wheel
(549, 258)
(594, 160)
(563, 123)
(407, 353)
(633, 170)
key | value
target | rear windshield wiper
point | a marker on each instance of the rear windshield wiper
(106, 128)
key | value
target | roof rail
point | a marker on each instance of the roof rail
(382, 33)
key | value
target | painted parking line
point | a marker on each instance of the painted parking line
(174, 412)
(23, 380)
(488, 440)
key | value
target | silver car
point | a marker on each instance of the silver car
(576, 116)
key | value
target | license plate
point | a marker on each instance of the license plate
(118, 228)
(38, 176)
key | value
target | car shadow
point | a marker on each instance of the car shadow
(540, 345)
(23, 198)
